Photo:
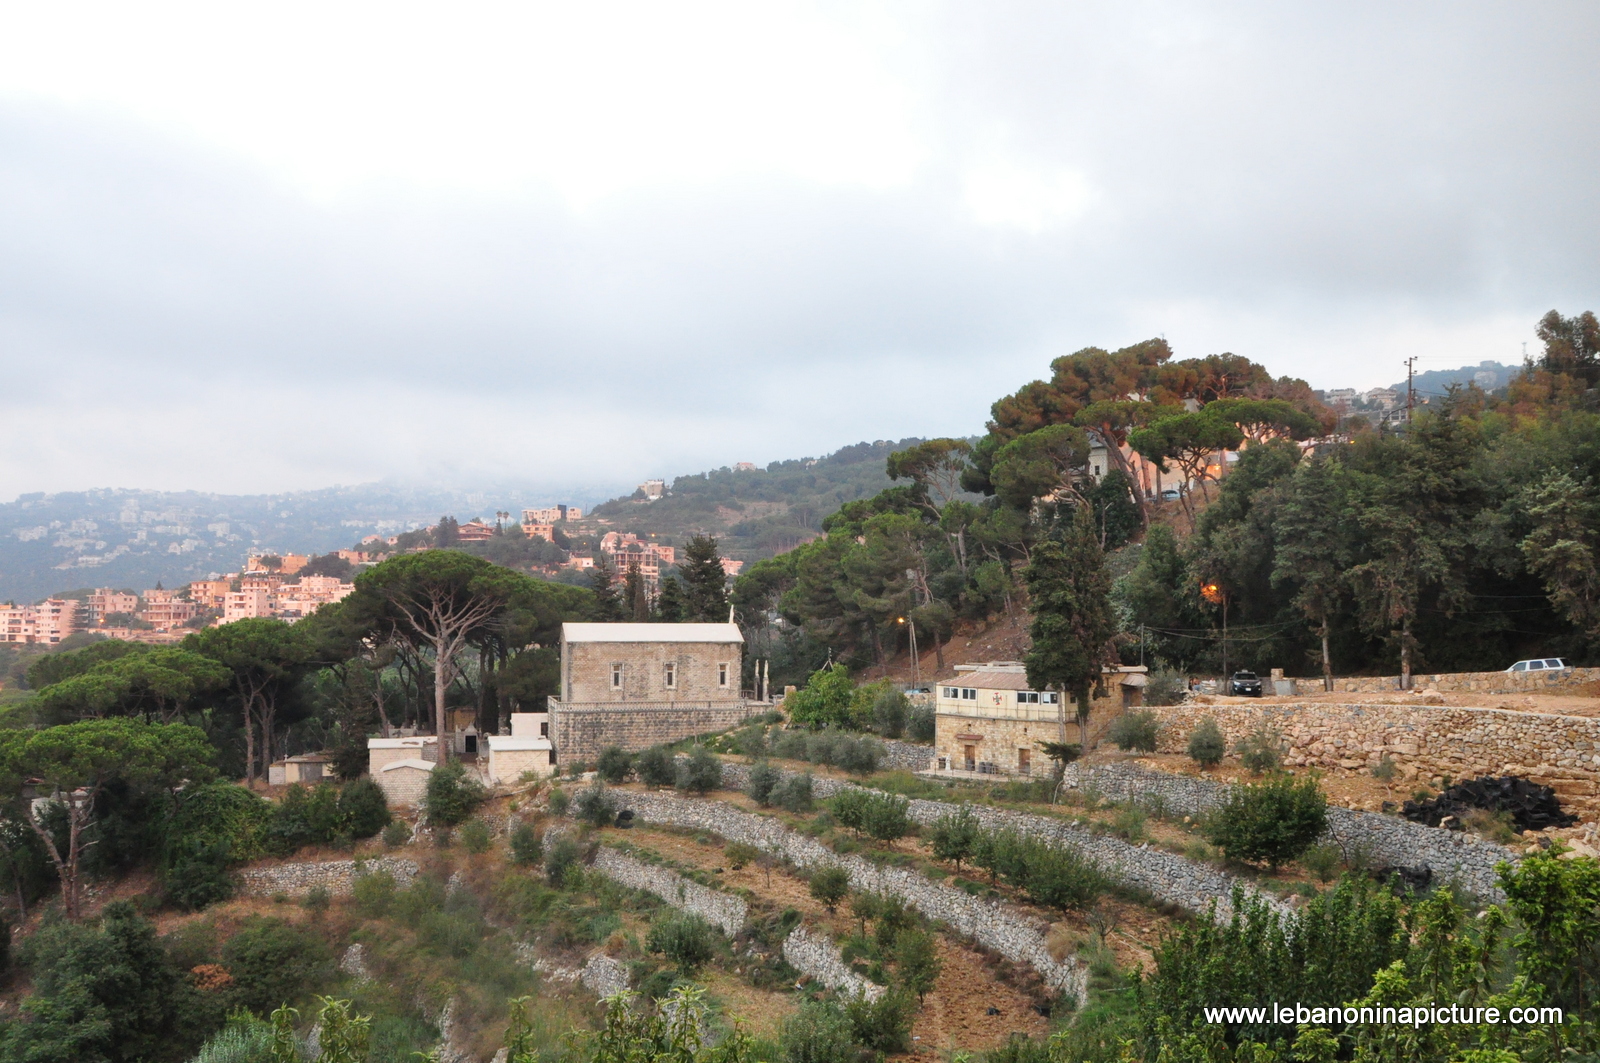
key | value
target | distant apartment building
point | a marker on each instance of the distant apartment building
(580, 562)
(289, 563)
(537, 530)
(209, 593)
(167, 611)
(1339, 396)
(46, 623)
(474, 531)
(653, 489)
(106, 602)
(730, 566)
(1383, 398)
(552, 514)
(247, 604)
(268, 582)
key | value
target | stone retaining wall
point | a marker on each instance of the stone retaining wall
(336, 876)
(818, 956)
(1461, 682)
(1165, 876)
(906, 756)
(998, 926)
(604, 975)
(1453, 856)
(1424, 741)
(715, 907)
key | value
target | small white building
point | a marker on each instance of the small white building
(527, 750)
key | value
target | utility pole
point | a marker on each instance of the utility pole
(1411, 395)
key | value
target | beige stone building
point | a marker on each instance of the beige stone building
(526, 750)
(401, 766)
(637, 685)
(988, 719)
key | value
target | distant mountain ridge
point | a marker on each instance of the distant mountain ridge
(1435, 383)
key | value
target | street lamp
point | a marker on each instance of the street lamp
(916, 675)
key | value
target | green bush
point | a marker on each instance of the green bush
(882, 1025)
(527, 846)
(794, 793)
(452, 795)
(1261, 751)
(763, 779)
(887, 817)
(738, 854)
(1207, 745)
(396, 834)
(701, 772)
(274, 963)
(1322, 861)
(559, 802)
(475, 836)
(363, 808)
(1270, 822)
(849, 808)
(890, 710)
(819, 1032)
(373, 893)
(859, 755)
(246, 1039)
(1165, 687)
(916, 962)
(561, 860)
(614, 766)
(305, 816)
(595, 806)
(826, 699)
(317, 901)
(198, 875)
(1135, 732)
(656, 767)
(685, 939)
(830, 885)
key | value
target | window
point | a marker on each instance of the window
(722, 675)
(616, 677)
(1024, 761)
(1520, 666)
(1051, 698)
(1554, 663)
(544, 729)
(672, 676)
(969, 694)
(1535, 666)
(552, 756)
(952, 693)
(1027, 697)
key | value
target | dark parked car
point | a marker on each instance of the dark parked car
(1245, 685)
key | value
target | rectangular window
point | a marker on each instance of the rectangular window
(544, 729)
(1051, 698)
(1027, 697)
(952, 693)
(722, 675)
(672, 676)
(969, 694)
(616, 677)
(1024, 761)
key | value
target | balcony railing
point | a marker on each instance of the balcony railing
(976, 711)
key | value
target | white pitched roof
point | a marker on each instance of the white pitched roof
(424, 765)
(651, 633)
(517, 743)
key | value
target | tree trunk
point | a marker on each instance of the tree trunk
(1114, 453)
(1405, 654)
(249, 745)
(440, 686)
(1327, 661)
(377, 696)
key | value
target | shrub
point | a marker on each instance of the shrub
(560, 801)
(685, 939)
(954, 835)
(1386, 770)
(1207, 746)
(882, 1025)
(920, 724)
(830, 884)
(1322, 861)
(858, 756)
(825, 700)
(396, 834)
(1165, 687)
(304, 817)
(701, 772)
(819, 1032)
(317, 901)
(916, 962)
(273, 963)
(849, 808)
(595, 806)
(763, 779)
(655, 767)
(791, 745)
(475, 836)
(614, 766)
(561, 860)
(1262, 751)
(372, 894)
(894, 918)
(1271, 822)
(198, 875)
(452, 794)
(1135, 732)
(1129, 823)
(794, 794)
(527, 847)
(1056, 878)
(739, 854)
(363, 808)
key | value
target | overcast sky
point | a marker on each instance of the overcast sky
(277, 246)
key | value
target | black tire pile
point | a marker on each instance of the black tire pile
(1532, 807)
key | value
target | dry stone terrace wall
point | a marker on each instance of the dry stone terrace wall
(1424, 741)
(995, 925)
(1462, 682)
(715, 907)
(1165, 876)
(816, 955)
(336, 876)
(581, 731)
(906, 756)
(1453, 856)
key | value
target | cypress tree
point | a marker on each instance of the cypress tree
(635, 594)
(603, 581)
(705, 583)
(1069, 594)
(670, 604)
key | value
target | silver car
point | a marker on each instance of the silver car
(1539, 664)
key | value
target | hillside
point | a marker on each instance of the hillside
(756, 513)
